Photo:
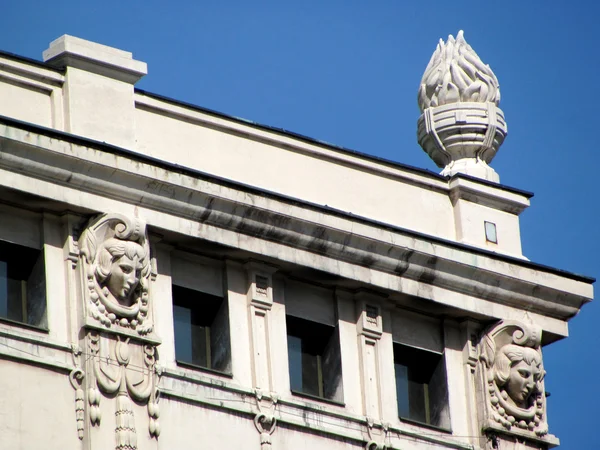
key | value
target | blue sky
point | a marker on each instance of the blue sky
(347, 72)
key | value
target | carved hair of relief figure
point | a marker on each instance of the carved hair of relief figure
(514, 375)
(117, 262)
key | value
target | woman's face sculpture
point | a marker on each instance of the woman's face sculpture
(513, 371)
(124, 277)
(121, 268)
(522, 382)
(519, 372)
(118, 270)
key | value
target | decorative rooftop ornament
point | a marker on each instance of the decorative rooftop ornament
(461, 126)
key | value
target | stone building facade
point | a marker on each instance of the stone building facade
(171, 277)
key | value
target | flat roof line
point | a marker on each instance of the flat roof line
(31, 61)
(280, 197)
(338, 148)
(285, 132)
(298, 136)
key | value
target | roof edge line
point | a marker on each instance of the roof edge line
(252, 189)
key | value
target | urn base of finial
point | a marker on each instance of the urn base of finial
(473, 167)
(463, 137)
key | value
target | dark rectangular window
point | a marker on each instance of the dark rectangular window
(201, 329)
(421, 386)
(314, 359)
(22, 285)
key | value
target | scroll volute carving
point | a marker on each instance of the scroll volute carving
(116, 264)
(512, 373)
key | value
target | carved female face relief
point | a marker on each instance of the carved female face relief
(120, 269)
(117, 261)
(124, 277)
(121, 366)
(514, 374)
(524, 375)
(521, 383)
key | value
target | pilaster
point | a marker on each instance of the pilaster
(370, 330)
(470, 331)
(260, 302)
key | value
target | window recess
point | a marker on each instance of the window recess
(421, 386)
(314, 354)
(22, 285)
(200, 314)
(420, 369)
(314, 359)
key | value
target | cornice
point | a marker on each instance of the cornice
(392, 259)
(476, 192)
(30, 69)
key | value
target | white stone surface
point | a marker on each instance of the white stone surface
(171, 208)
(510, 384)
(216, 236)
(37, 408)
(105, 109)
(71, 51)
(461, 127)
(456, 74)
(98, 89)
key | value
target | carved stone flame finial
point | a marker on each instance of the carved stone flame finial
(456, 74)
(461, 127)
